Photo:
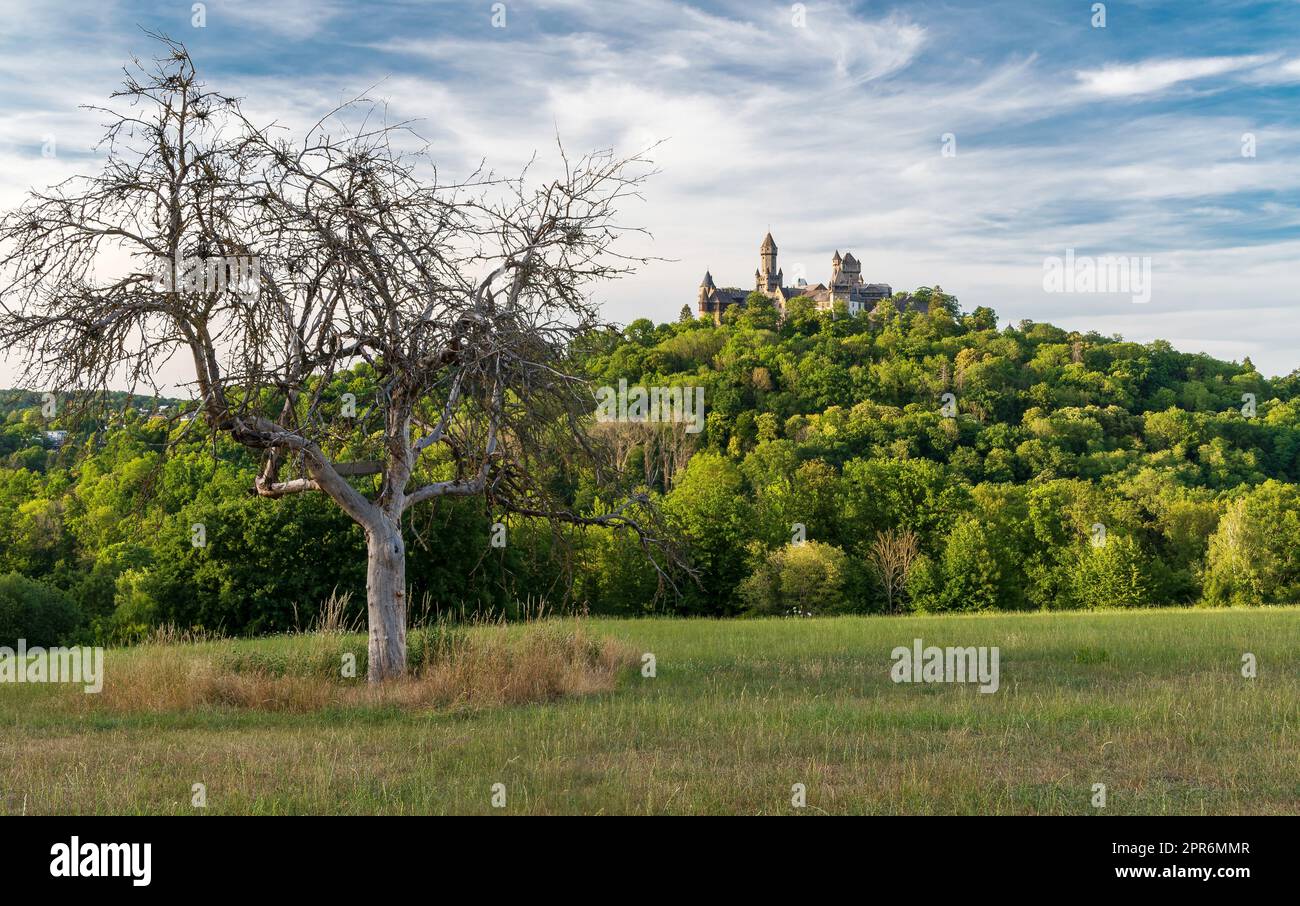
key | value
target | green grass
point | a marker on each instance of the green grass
(1150, 703)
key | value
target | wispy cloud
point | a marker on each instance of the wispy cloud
(1149, 76)
(297, 19)
(825, 127)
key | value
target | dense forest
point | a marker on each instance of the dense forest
(880, 462)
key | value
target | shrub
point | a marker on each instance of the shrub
(135, 612)
(32, 610)
(1116, 574)
(968, 575)
(798, 578)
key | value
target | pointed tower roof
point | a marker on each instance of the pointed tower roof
(849, 259)
(769, 244)
(836, 259)
(707, 283)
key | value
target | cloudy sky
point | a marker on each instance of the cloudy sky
(826, 123)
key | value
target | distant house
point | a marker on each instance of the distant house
(55, 438)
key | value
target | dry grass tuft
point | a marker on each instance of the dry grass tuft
(451, 668)
(333, 619)
(547, 661)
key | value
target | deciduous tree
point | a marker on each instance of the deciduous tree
(347, 246)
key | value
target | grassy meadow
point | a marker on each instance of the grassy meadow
(1151, 703)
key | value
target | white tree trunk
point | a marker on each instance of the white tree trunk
(386, 602)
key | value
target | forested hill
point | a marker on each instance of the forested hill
(1078, 470)
(1032, 402)
(876, 462)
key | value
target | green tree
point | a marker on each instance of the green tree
(1253, 556)
(971, 569)
(34, 611)
(710, 511)
(1114, 574)
(798, 579)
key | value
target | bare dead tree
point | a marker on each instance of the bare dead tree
(676, 446)
(463, 297)
(891, 556)
(665, 447)
(623, 438)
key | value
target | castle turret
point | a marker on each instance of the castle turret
(846, 272)
(704, 299)
(851, 268)
(767, 278)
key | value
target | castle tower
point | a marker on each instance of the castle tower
(846, 272)
(767, 278)
(852, 269)
(703, 300)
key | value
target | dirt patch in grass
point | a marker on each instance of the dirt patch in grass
(450, 668)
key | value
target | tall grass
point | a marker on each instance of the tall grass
(449, 666)
(1151, 703)
(333, 618)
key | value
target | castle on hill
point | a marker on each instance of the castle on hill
(845, 286)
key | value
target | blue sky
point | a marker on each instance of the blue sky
(826, 128)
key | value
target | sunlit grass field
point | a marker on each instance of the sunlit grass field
(1152, 704)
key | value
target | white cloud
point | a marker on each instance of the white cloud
(1282, 73)
(829, 135)
(288, 18)
(1147, 77)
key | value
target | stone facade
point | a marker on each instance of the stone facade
(845, 286)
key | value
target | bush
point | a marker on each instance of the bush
(136, 611)
(32, 610)
(1116, 574)
(798, 579)
(924, 583)
(967, 577)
